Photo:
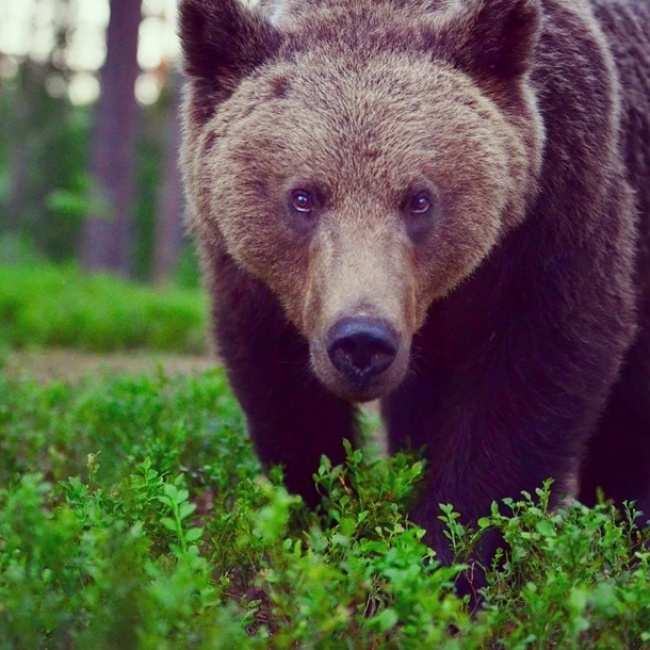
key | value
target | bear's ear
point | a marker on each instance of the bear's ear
(222, 41)
(498, 36)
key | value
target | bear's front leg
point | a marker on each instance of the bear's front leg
(517, 414)
(291, 417)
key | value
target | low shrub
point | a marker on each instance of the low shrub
(133, 514)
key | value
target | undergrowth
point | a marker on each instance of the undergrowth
(134, 514)
(46, 305)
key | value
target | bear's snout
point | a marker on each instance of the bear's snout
(362, 349)
(361, 358)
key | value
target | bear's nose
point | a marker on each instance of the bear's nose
(362, 348)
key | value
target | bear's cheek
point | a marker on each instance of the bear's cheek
(258, 240)
(460, 242)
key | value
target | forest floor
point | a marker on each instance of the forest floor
(73, 365)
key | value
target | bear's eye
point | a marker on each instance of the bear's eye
(420, 204)
(303, 202)
(418, 209)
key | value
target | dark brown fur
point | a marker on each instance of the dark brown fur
(530, 323)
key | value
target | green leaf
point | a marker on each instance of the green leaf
(545, 528)
(169, 524)
(186, 509)
(340, 540)
(348, 526)
(385, 620)
(193, 534)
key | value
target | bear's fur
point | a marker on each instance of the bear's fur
(522, 309)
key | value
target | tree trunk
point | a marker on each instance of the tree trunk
(21, 140)
(107, 234)
(169, 218)
(19, 169)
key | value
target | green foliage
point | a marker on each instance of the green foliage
(134, 514)
(18, 249)
(148, 181)
(188, 273)
(43, 160)
(60, 306)
(46, 189)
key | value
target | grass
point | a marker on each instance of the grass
(133, 514)
(43, 305)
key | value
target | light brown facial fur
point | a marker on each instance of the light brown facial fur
(363, 131)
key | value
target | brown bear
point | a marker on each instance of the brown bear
(440, 203)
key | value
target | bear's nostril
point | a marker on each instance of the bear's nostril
(362, 348)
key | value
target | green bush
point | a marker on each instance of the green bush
(61, 306)
(133, 514)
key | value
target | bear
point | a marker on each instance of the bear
(442, 205)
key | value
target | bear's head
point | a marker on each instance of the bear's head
(360, 158)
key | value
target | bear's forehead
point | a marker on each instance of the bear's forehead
(391, 95)
(360, 127)
(385, 106)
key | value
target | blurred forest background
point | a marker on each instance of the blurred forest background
(89, 137)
